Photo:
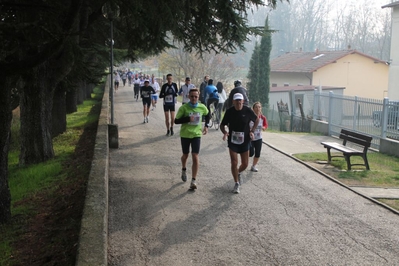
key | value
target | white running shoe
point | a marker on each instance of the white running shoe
(236, 189)
(254, 169)
(193, 184)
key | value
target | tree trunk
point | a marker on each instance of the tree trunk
(36, 108)
(71, 101)
(5, 127)
(59, 123)
(87, 90)
(81, 94)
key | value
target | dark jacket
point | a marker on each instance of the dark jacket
(241, 90)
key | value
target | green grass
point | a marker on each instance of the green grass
(392, 203)
(27, 182)
(384, 169)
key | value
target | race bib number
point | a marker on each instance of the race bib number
(237, 138)
(197, 118)
(169, 98)
(258, 133)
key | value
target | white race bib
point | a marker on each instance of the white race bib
(237, 137)
(197, 118)
(169, 98)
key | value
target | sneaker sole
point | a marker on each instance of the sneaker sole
(193, 187)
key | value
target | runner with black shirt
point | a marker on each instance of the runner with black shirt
(239, 135)
(146, 92)
(169, 93)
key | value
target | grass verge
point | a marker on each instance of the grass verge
(48, 198)
(384, 171)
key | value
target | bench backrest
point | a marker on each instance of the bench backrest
(354, 137)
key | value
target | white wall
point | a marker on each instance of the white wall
(393, 85)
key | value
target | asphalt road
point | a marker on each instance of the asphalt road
(286, 214)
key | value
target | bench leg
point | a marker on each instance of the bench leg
(329, 155)
(348, 162)
(366, 162)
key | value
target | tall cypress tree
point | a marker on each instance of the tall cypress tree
(264, 61)
(259, 69)
(253, 75)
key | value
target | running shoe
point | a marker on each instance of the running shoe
(167, 132)
(171, 131)
(183, 175)
(146, 119)
(193, 184)
(254, 169)
(239, 178)
(236, 189)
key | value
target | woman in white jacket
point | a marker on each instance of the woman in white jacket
(222, 98)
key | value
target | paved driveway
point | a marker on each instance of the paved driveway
(286, 214)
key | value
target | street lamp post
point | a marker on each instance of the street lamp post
(111, 11)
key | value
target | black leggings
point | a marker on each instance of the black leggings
(256, 147)
(210, 101)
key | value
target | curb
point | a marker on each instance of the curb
(333, 179)
(93, 236)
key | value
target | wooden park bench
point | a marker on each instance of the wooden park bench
(353, 137)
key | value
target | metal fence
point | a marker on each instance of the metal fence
(377, 118)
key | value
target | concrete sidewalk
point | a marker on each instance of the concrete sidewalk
(294, 143)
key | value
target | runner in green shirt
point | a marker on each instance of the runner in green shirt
(190, 116)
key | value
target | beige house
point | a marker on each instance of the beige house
(393, 85)
(360, 74)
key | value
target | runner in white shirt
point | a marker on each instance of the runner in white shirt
(185, 89)
(154, 97)
(136, 88)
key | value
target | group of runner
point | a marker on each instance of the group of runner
(241, 125)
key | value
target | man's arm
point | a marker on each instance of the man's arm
(182, 120)
(223, 125)
(162, 93)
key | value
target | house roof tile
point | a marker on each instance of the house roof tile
(393, 4)
(307, 62)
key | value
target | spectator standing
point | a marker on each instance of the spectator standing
(222, 98)
(185, 89)
(239, 136)
(202, 89)
(256, 144)
(169, 93)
